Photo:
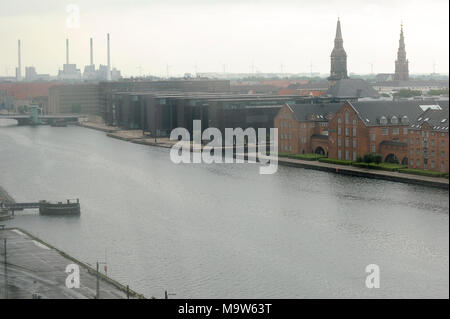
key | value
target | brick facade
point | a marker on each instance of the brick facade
(347, 135)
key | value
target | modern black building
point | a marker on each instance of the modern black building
(158, 113)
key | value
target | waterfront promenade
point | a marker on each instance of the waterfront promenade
(135, 136)
(35, 269)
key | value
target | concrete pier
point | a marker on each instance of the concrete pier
(35, 269)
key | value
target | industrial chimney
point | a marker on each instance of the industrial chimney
(92, 52)
(19, 65)
(108, 72)
(67, 51)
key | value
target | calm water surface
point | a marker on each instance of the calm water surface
(224, 231)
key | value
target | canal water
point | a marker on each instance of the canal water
(223, 230)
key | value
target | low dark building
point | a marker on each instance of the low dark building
(160, 112)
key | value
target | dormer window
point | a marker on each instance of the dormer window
(405, 119)
(394, 120)
(383, 120)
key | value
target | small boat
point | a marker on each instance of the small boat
(60, 208)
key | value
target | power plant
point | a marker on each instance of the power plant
(104, 72)
(19, 65)
(69, 71)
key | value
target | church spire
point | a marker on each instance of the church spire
(401, 64)
(338, 58)
(338, 31)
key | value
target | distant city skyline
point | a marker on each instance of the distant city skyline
(176, 37)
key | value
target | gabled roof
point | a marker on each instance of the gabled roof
(302, 112)
(371, 112)
(437, 119)
(352, 88)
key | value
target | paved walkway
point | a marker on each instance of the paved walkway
(35, 268)
(379, 173)
(362, 172)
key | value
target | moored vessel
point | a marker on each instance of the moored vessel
(70, 207)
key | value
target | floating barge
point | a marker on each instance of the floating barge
(70, 207)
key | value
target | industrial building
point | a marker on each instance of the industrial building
(158, 113)
(92, 98)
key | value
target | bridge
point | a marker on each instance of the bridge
(20, 206)
(25, 119)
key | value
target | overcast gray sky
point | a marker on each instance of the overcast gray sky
(148, 35)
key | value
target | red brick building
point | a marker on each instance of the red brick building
(428, 140)
(401, 132)
(303, 128)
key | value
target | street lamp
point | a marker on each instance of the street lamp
(97, 296)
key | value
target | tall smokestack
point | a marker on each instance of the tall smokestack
(108, 74)
(92, 52)
(19, 64)
(67, 51)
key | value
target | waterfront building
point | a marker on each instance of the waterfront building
(159, 112)
(411, 133)
(428, 140)
(303, 128)
(93, 98)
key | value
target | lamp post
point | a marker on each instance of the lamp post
(6, 274)
(97, 296)
(166, 294)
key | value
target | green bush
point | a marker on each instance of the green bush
(281, 154)
(381, 166)
(307, 157)
(334, 161)
(378, 159)
(368, 158)
(421, 172)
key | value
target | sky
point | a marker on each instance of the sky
(186, 36)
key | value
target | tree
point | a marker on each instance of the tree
(378, 159)
(368, 158)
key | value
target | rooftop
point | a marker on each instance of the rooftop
(392, 112)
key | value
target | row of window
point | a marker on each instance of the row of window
(347, 142)
(395, 131)
(425, 164)
(286, 148)
(347, 155)
(347, 119)
(285, 124)
(347, 131)
(425, 133)
(432, 153)
(432, 142)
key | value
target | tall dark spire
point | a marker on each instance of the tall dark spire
(338, 58)
(401, 64)
(338, 41)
